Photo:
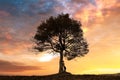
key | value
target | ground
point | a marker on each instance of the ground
(63, 77)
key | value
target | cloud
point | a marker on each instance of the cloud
(91, 14)
(43, 7)
(7, 66)
(27, 7)
(11, 42)
(4, 14)
(111, 11)
(16, 31)
(80, 1)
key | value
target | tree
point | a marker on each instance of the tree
(62, 35)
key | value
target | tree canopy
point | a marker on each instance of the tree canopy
(61, 33)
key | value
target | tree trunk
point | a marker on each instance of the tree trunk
(62, 67)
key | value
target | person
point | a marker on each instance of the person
(63, 67)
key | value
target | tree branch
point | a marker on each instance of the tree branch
(52, 46)
(60, 40)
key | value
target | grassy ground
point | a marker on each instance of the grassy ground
(63, 77)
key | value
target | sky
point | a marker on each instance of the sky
(18, 23)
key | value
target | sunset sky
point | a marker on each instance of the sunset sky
(18, 22)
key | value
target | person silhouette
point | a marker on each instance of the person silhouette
(63, 67)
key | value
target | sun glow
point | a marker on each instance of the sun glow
(46, 57)
(85, 29)
(102, 71)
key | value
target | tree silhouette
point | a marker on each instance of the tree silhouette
(62, 35)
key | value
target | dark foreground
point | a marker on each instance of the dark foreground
(63, 77)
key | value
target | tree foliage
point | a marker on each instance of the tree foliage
(61, 33)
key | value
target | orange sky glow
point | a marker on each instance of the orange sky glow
(101, 25)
